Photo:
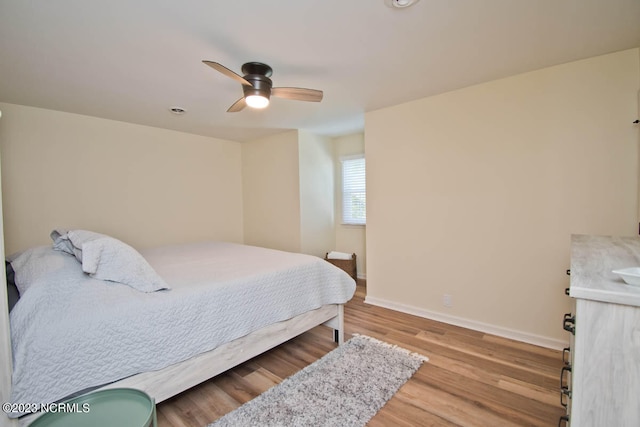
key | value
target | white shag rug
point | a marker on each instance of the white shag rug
(346, 387)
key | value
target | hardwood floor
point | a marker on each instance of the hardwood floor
(471, 378)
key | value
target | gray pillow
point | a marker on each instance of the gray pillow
(71, 241)
(12, 290)
(110, 259)
(106, 258)
(60, 241)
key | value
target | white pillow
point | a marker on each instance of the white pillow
(110, 259)
(106, 258)
(43, 265)
(71, 241)
(60, 241)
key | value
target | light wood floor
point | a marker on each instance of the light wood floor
(471, 379)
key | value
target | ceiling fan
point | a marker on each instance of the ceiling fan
(257, 86)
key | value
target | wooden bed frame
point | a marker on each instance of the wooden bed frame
(174, 379)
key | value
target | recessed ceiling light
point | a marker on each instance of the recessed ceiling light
(177, 110)
(399, 4)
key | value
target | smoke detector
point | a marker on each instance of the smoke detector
(178, 111)
(400, 4)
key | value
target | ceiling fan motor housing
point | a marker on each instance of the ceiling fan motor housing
(261, 85)
(258, 75)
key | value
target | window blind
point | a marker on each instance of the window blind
(354, 194)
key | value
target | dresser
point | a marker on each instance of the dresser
(602, 373)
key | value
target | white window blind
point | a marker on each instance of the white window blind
(354, 191)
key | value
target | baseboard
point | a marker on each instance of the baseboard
(361, 276)
(470, 324)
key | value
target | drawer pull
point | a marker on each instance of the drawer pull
(566, 353)
(565, 392)
(565, 419)
(568, 324)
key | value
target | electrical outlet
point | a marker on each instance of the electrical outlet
(447, 300)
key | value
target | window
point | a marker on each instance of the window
(354, 194)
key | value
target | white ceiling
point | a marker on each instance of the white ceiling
(131, 60)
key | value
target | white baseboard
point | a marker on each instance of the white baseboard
(470, 324)
(361, 276)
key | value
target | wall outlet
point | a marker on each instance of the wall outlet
(447, 300)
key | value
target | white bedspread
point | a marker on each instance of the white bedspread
(85, 332)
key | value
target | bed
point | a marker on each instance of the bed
(95, 313)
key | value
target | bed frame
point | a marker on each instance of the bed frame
(177, 378)
(174, 379)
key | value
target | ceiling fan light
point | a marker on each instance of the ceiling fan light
(257, 101)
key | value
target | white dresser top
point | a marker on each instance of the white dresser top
(592, 260)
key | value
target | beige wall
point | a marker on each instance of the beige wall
(349, 238)
(475, 193)
(288, 192)
(317, 235)
(145, 185)
(271, 192)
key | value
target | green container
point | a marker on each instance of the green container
(116, 407)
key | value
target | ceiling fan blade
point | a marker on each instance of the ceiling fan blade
(297, 93)
(237, 106)
(227, 72)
